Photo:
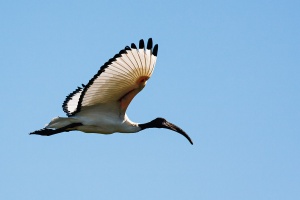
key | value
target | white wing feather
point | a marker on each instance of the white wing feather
(116, 78)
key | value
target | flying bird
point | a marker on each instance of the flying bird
(100, 105)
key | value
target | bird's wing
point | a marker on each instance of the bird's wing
(119, 79)
(71, 102)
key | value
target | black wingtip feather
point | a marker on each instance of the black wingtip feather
(123, 51)
(141, 44)
(149, 44)
(111, 60)
(155, 50)
(133, 46)
(115, 57)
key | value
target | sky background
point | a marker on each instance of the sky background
(228, 73)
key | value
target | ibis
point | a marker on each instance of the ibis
(100, 105)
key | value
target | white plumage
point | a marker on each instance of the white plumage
(100, 106)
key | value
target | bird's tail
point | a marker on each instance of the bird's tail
(58, 125)
(49, 131)
(60, 122)
(46, 132)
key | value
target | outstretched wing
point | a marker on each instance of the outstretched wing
(119, 79)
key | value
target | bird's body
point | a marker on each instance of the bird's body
(102, 118)
(100, 106)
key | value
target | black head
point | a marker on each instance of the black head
(163, 123)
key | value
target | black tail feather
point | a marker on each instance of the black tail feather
(45, 132)
(48, 131)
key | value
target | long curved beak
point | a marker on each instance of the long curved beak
(175, 128)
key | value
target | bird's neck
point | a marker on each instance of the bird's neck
(128, 126)
(151, 124)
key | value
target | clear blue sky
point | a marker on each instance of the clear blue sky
(228, 73)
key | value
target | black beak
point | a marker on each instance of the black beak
(162, 123)
(175, 128)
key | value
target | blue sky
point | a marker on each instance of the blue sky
(227, 73)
